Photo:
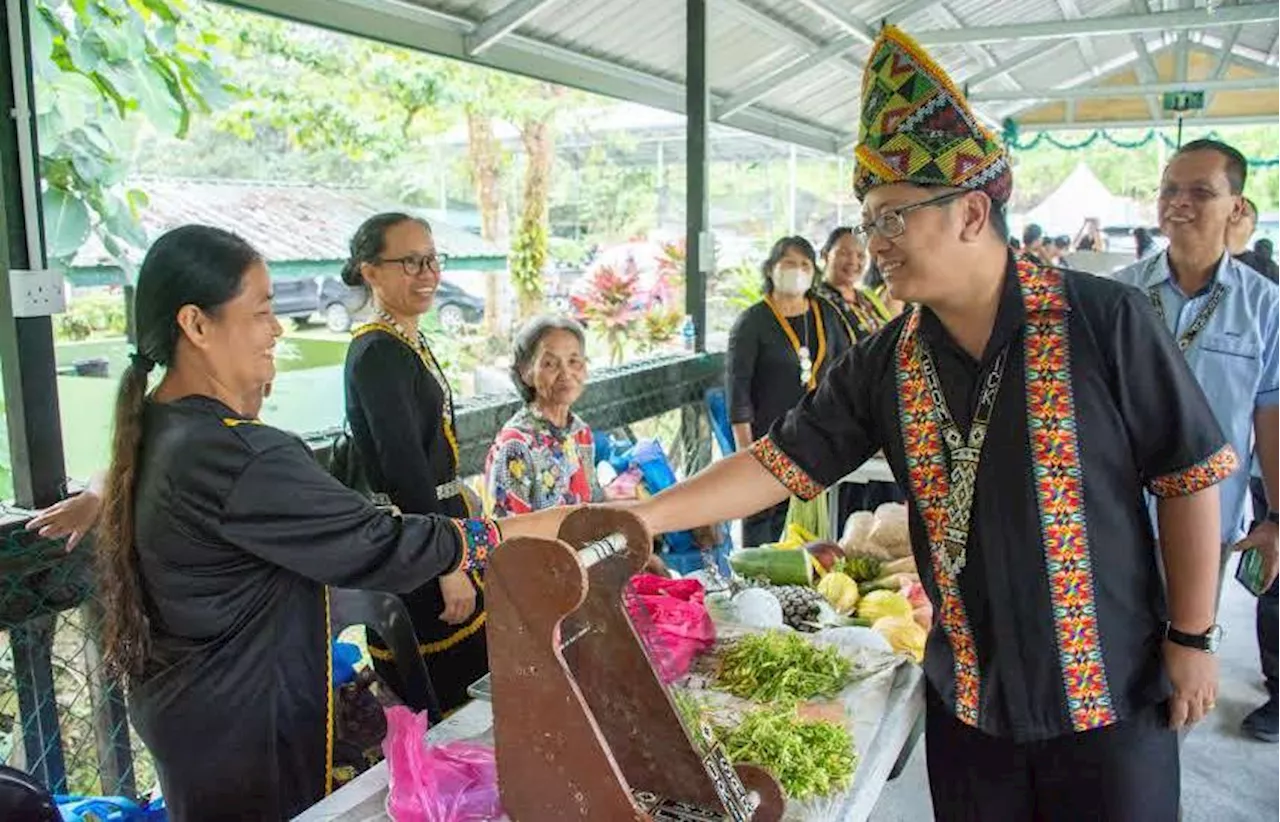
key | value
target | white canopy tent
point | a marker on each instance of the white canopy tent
(1081, 196)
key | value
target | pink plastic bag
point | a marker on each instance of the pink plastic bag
(457, 782)
(670, 617)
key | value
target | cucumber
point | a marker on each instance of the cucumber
(780, 566)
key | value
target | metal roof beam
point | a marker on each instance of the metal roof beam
(1085, 92)
(502, 22)
(1224, 62)
(852, 24)
(1013, 63)
(1246, 120)
(775, 79)
(416, 27)
(768, 24)
(1147, 70)
(1070, 11)
(1117, 24)
(1245, 55)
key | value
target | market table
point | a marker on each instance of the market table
(882, 741)
(875, 469)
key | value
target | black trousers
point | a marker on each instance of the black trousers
(764, 527)
(1127, 772)
(1267, 615)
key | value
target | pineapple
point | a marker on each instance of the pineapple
(863, 567)
(800, 605)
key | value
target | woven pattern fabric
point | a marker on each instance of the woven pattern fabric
(916, 126)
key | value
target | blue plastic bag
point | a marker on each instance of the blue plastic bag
(109, 809)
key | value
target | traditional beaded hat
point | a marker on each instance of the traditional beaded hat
(916, 126)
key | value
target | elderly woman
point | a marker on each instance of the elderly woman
(217, 535)
(544, 455)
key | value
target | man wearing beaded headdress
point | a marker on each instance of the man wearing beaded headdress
(1024, 410)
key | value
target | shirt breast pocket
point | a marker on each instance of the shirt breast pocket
(1230, 368)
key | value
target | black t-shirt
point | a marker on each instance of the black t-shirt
(1054, 624)
(762, 369)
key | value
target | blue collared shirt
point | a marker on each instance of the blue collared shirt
(1234, 357)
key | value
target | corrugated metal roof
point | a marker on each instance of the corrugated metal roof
(636, 49)
(285, 222)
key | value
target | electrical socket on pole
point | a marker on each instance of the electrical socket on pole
(37, 293)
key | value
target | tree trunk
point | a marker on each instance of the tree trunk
(538, 137)
(486, 170)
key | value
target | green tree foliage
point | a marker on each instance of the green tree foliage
(104, 71)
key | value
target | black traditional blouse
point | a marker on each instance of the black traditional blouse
(238, 532)
(762, 369)
(1054, 625)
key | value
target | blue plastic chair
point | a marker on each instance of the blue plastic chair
(718, 412)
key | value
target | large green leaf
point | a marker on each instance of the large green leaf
(66, 222)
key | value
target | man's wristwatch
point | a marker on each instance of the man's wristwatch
(1207, 642)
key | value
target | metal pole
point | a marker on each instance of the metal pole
(791, 191)
(699, 261)
(840, 189)
(30, 385)
(26, 343)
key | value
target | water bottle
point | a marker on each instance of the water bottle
(689, 333)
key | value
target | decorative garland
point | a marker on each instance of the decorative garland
(1013, 141)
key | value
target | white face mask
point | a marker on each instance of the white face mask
(792, 280)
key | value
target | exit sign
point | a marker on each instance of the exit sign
(1183, 100)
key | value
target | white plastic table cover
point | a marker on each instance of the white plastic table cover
(885, 707)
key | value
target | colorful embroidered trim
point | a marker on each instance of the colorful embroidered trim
(1059, 484)
(930, 486)
(776, 462)
(1204, 474)
(479, 537)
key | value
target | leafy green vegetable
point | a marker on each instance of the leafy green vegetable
(809, 758)
(781, 666)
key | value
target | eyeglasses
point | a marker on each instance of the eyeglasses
(415, 264)
(892, 224)
(1199, 193)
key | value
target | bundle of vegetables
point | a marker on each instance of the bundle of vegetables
(781, 666)
(808, 757)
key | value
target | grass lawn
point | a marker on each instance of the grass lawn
(307, 396)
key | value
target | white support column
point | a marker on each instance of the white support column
(791, 190)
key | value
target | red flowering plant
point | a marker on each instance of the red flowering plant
(608, 307)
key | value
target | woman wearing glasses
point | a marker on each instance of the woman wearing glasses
(779, 349)
(400, 409)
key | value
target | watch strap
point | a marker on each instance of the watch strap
(1208, 641)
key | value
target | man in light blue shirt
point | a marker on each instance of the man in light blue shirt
(1226, 318)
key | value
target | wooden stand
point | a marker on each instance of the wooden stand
(583, 727)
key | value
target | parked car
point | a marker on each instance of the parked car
(339, 305)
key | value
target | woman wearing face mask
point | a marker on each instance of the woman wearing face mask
(779, 349)
(400, 409)
(844, 259)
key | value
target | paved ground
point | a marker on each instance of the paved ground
(1226, 777)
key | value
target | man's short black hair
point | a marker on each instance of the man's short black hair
(1031, 235)
(1237, 166)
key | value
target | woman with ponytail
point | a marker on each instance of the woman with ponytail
(400, 409)
(218, 535)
